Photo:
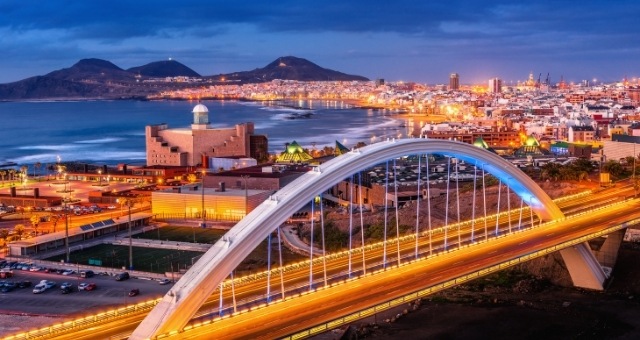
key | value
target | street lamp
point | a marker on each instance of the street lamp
(99, 177)
(203, 224)
(128, 203)
(246, 195)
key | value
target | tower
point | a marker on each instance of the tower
(495, 85)
(454, 81)
(200, 117)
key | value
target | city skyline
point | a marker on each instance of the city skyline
(421, 42)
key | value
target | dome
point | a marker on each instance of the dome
(200, 109)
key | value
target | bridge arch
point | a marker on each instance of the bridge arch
(179, 305)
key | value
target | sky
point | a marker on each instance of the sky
(399, 40)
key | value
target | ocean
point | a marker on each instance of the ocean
(112, 132)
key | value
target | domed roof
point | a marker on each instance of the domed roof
(200, 109)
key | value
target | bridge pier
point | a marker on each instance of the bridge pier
(584, 269)
(607, 255)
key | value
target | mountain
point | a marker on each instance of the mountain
(101, 79)
(93, 71)
(289, 68)
(161, 69)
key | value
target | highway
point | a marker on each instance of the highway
(336, 266)
(281, 319)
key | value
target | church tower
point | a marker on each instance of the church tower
(200, 117)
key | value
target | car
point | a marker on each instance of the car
(24, 284)
(122, 276)
(134, 292)
(65, 285)
(164, 281)
(67, 290)
(48, 284)
(68, 272)
(8, 286)
(83, 286)
(86, 273)
(111, 207)
(39, 288)
(91, 286)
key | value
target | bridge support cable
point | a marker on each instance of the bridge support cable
(473, 202)
(324, 250)
(457, 165)
(350, 221)
(386, 205)
(269, 268)
(531, 214)
(311, 247)
(498, 208)
(220, 298)
(418, 203)
(233, 294)
(520, 219)
(397, 203)
(281, 265)
(429, 207)
(484, 204)
(509, 207)
(361, 199)
(446, 209)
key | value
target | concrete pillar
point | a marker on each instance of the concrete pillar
(608, 252)
(584, 269)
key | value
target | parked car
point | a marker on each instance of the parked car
(39, 288)
(67, 290)
(24, 284)
(164, 281)
(8, 286)
(134, 292)
(87, 286)
(66, 285)
(68, 272)
(86, 273)
(122, 276)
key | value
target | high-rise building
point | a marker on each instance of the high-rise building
(495, 85)
(454, 81)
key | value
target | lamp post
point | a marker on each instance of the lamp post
(130, 239)
(246, 195)
(203, 224)
(66, 231)
(99, 177)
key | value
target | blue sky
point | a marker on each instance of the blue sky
(409, 40)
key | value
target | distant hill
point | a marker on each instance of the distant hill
(93, 70)
(161, 69)
(289, 68)
(101, 79)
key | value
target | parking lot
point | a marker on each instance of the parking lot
(108, 294)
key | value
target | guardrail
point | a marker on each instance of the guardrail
(47, 332)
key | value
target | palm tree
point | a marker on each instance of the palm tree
(12, 173)
(3, 174)
(36, 166)
(19, 230)
(35, 219)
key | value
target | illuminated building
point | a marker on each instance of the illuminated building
(194, 146)
(495, 85)
(454, 81)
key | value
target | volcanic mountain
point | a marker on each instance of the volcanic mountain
(289, 68)
(166, 68)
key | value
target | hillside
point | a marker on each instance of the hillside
(289, 68)
(165, 68)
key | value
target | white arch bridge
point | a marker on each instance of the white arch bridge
(179, 305)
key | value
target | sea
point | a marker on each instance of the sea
(112, 132)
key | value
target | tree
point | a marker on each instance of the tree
(3, 174)
(19, 230)
(54, 219)
(4, 235)
(551, 171)
(35, 220)
(36, 166)
(614, 168)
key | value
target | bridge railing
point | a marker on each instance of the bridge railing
(84, 322)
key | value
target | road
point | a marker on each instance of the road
(281, 319)
(252, 293)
